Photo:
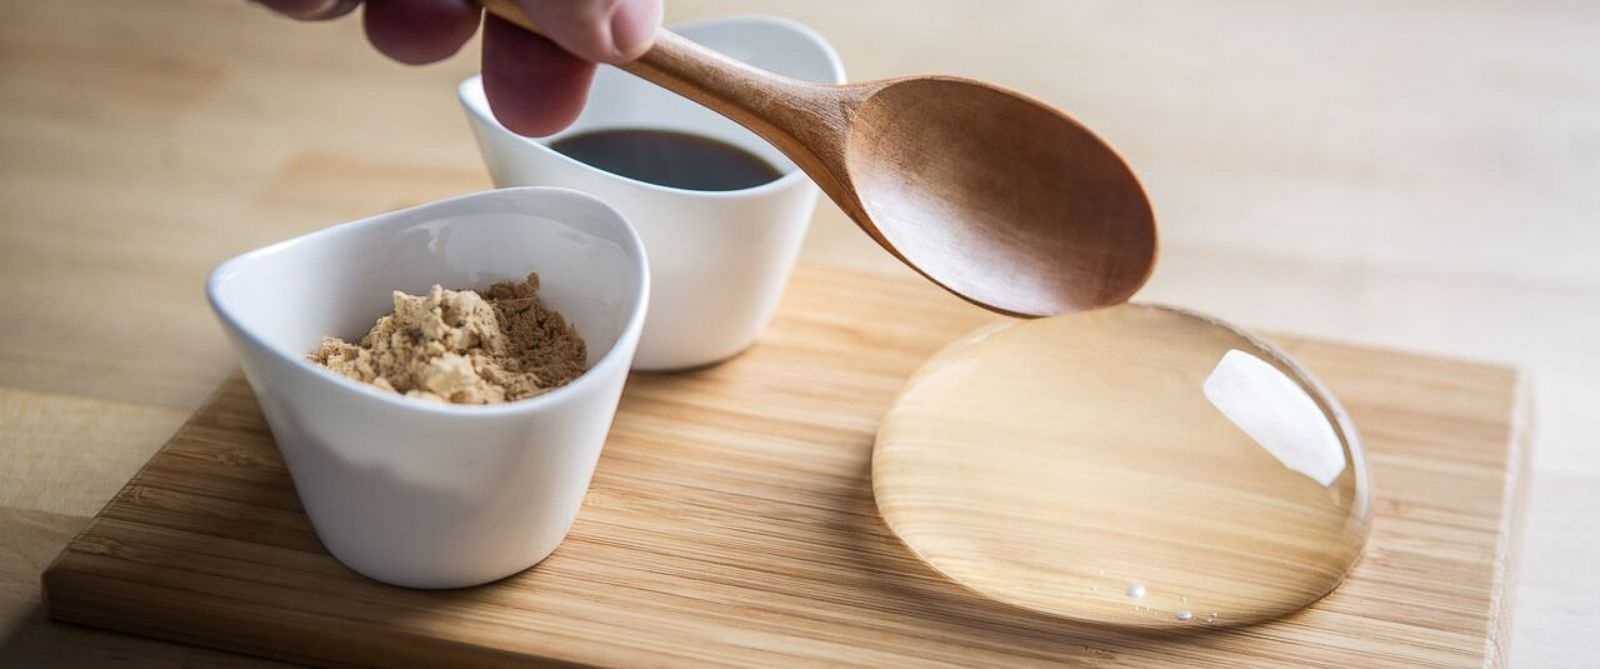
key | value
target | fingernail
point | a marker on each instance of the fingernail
(633, 27)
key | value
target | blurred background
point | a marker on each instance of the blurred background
(1422, 176)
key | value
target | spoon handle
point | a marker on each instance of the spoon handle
(800, 118)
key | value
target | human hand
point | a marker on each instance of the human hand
(536, 84)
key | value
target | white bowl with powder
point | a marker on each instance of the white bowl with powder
(426, 494)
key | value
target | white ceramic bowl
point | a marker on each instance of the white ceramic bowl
(719, 260)
(433, 495)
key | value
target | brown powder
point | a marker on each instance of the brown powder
(456, 346)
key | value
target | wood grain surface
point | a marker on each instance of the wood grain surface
(731, 522)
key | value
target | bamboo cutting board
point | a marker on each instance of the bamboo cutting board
(731, 522)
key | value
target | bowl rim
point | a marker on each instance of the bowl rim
(790, 179)
(585, 383)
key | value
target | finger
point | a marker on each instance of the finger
(605, 31)
(534, 87)
(633, 28)
(420, 31)
(311, 10)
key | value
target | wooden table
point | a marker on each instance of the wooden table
(1420, 178)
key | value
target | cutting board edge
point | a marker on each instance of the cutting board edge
(1513, 504)
(58, 564)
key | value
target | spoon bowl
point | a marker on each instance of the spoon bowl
(997, 197)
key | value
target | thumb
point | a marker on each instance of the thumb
(604, 31)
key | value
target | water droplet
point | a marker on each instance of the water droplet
(1198, 411)
(1184, 615)
(1184, 599)
(1136, 590)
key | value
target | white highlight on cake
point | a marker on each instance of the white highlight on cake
(1277, 413)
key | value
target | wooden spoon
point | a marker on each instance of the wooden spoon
(997, 197)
